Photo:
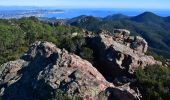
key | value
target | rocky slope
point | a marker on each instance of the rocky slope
(46, 68)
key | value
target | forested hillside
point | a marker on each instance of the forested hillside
(17, 34)
(155, 29)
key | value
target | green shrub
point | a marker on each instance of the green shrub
(17, 34)
(154, 82)
(87, 53)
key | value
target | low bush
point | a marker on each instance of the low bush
(154, 82)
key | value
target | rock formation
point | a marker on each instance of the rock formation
(135, 42)
(116, 58)
(167, 63)
(121, 33)
(139, 44)
(46, 68)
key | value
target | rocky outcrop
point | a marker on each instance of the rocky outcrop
(116, 59)
(134, 42)
(139, 44)
(121, 33)
(167, 64)
(44, 69)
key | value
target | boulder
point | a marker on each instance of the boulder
(139, 44)
(121, 33)
(135, 42)
(167, 64)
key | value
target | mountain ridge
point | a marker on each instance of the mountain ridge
(154, 28)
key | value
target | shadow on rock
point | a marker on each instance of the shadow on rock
(28, 86)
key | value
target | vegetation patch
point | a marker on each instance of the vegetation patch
(154, 82)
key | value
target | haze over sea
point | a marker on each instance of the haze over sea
(62, 13)
(70, 13)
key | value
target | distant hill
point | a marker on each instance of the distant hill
(167, 19)
(146, 17)
(155, 29)
(116, 17)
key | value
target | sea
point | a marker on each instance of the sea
(66, 13)
(70, 13)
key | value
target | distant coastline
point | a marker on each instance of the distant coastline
(64, 13)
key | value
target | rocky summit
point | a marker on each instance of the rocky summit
(45, 69)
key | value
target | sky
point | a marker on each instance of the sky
(142, 4)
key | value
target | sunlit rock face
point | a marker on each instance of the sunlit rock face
(116, 58)
(45, 68)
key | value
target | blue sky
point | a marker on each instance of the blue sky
(143, 4)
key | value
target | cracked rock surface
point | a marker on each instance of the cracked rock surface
(46, 68)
